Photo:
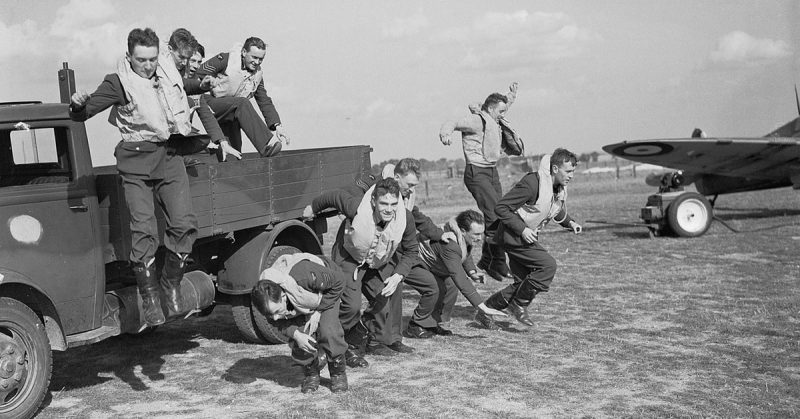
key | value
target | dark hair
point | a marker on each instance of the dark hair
(386, 186)
(182, 40)
(561, 156)
(253, 42)
(265, 290)
(404, 166)
(492, 100)
(201, 50)
(142, 37)
(466, 218)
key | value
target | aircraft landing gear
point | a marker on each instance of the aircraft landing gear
(685, 214)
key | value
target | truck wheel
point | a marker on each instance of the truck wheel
(253, 325)
(689, 215)
(26, 362)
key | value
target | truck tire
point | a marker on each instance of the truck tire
(253, 325)
(689, 215)
(26, 362)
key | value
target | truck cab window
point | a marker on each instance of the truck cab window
(31, 156)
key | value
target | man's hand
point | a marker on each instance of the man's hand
(281, 134)
(312, 323)
(448, 236)
(79, 99)
(512, 92)
(490, 311)
(445, 138)
(209, 82)
(528, 235)
(576, 228)
(227, 149)
(305, 342)
(391, 284)
(308, 213)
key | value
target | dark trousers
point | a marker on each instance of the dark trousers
(448, 295)
(369, 283)
(329, 336)
(484, 185)
(533, 270)
(237, 113)
(172, 195)
(422, 281)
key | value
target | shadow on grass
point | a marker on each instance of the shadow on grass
(82, 367)
(279, 369)
(754, 213)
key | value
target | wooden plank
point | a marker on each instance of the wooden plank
(240, 183)
(243, 167)
(237, 198)
(292, 203)
(297, 189)
(305, 174)
(241, 212)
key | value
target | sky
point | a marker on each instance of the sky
(389, 73)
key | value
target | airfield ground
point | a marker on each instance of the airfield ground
(633, 326)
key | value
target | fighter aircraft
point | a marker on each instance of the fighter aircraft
(716, 166)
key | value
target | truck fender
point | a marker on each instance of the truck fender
(21, 288)
(248, 253)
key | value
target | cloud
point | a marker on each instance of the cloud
(20, 39)
(737, 48)
(518, 39)
(379, 106)
(404, 27)
(84, 28)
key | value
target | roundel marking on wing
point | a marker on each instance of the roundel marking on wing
(643, 149)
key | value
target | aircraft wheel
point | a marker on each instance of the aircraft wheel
(690, 215)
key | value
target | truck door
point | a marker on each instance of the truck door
(48, 234)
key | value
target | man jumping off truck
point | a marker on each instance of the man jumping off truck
(151, 109)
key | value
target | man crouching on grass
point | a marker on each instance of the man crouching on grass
(300, 293)
(535, 200)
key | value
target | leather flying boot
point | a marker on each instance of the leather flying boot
(148, 290)
(356, 338)
(521, 313)
(337, 367)
(171, 281)
(310, 376)
(496, 301)
(354, 360)
(486, 320)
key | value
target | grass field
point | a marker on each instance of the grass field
(632, 327)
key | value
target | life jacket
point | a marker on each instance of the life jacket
(368, 244)
(303, 300)
(237, 81)
(426, 252)
(157, 107)
(547, 205)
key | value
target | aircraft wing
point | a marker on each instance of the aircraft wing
(758, 158)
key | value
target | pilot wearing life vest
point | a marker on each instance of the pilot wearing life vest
(531, 204)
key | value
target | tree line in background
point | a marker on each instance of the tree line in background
(524, 163)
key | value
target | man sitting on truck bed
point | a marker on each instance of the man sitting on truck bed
(240, 78)
(151, 109)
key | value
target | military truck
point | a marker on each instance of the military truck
(65, 278)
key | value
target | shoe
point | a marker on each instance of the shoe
(379, 349)
(486, 320)
(148, 287)
(441, 331)
(354, 360)
(273, 147)
(475, 276)
(417, 332)
(336, 367)
(521, 313)
(311, 378)
(401, 347)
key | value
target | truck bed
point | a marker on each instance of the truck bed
(236, 195)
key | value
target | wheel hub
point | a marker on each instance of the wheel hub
(12, 369)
